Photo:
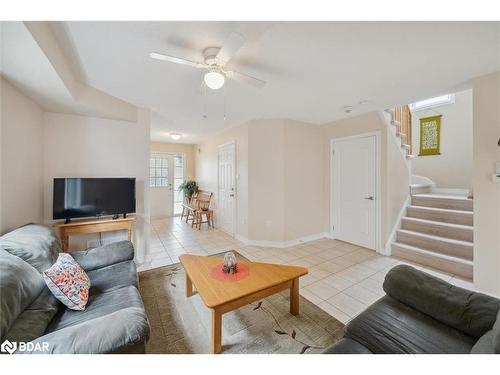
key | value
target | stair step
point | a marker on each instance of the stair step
(445, 263)
(437, 228)
(420, 188)
(442, 201)
(448, 246)
(441, 214)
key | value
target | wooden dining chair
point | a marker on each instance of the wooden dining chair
(202, 208)
(188, 207)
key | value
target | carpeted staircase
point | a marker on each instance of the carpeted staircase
(437, 231)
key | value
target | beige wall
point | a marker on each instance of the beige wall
(453, 168)
(278, 155)
(21, 159)
(486, 99)
(303, 190)
(79, 146)
(206, 165)
(266, 171)
(287, 175)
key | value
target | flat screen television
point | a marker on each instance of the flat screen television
(86, 197)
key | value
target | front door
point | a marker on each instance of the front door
(354, 162)
(226, 197)
(161, 178)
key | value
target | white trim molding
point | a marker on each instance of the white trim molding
(397, 225)
(282, 244)
(378, 193)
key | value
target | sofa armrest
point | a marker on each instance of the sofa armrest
(470, 312)
(103, 256)
(115, 332)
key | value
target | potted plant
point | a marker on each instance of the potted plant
(189, 188)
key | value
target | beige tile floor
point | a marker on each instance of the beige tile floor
(343, 279)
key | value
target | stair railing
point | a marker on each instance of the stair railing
(402, 115)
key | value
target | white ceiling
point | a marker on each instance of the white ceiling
(24, 63)
(312, 69)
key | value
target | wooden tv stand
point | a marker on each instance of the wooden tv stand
(92, 226)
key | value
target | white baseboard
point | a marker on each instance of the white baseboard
(242, 239)
(397, 225)
(282, 244)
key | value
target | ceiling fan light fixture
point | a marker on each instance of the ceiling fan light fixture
(175, 136)
(214, 80)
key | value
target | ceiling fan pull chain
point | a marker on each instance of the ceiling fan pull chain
(204, 100)
(224, 96)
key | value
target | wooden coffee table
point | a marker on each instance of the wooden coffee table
(263, 280)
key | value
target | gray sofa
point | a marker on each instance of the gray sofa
(423, 314)
(114, 320)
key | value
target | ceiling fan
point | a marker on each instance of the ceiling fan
(215, 60)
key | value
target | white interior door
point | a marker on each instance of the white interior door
(226, 197)
(161, 179)
(355, 190)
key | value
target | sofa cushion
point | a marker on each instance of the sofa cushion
(33, 321)
(68, 282)
(99, 305)
(104, 256)
(112, 277)
(472, 313)
(121, 331)
(389, 326)
(347, 346)
(34, 243)
(489, 343)
(20, 285)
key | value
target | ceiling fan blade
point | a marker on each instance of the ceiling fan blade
(232, 44)
(177, 60)
(245, 79)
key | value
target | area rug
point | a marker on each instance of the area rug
(181, 325)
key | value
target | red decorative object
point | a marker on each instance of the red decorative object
(217, 273)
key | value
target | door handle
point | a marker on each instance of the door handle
(231, 195)
(370, 198)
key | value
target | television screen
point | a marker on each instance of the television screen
(85, 197)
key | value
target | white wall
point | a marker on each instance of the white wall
(80, 146)
(21, 159)
(453, 168)
(486, 92)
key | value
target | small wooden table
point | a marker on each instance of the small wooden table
(92, 226)
(263, 280)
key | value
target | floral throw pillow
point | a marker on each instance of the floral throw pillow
(68, 282)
